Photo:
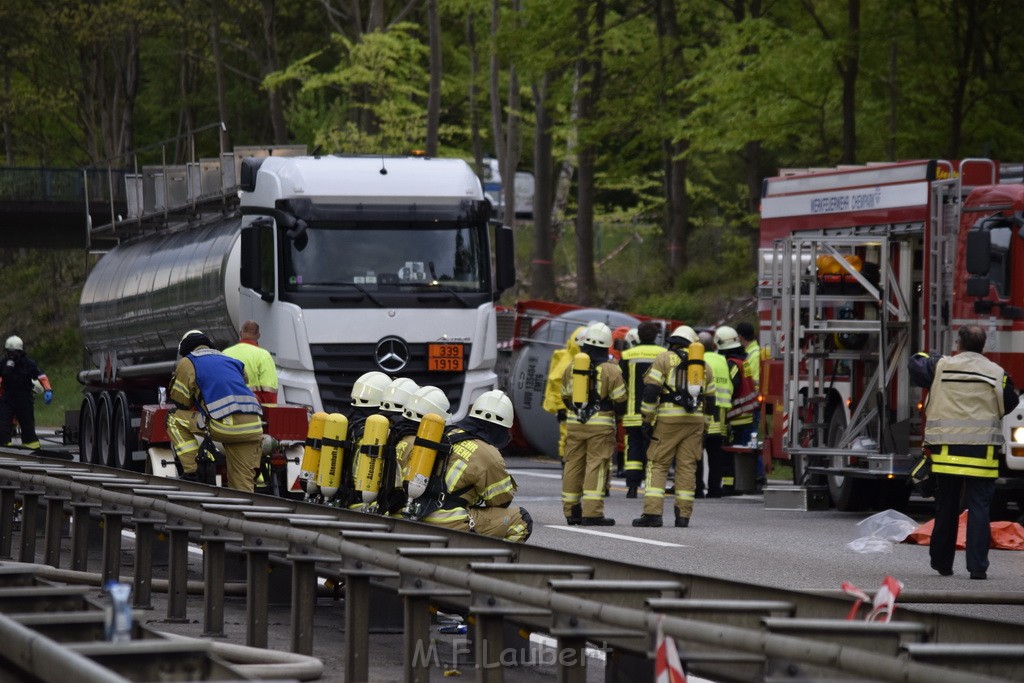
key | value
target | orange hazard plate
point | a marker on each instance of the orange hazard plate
(445, 357)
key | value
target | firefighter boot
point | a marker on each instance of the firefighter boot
(576, 516)
(647, 520)
(681, 522)
(598, 521)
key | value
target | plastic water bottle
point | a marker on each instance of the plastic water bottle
(119, 613)
(753, 441)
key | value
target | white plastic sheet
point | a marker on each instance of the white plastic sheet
(880, 531)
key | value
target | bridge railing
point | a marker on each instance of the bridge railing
(22, 184)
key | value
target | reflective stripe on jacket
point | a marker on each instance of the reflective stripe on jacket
(634, 364)
(720, 390)
(221, 382)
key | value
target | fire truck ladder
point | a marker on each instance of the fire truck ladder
(819, 374)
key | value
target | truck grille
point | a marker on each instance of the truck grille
(338, 366)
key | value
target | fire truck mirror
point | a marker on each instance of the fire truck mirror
(977, 285)
(979, 247)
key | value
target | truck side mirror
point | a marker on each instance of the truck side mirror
(257, 266)
(978, 252)
(504, 255)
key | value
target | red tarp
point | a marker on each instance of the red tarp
(1005, 535)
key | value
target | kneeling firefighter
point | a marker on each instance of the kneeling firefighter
(211, 399)
(367, 435)
(422, 452)
(478, 490)
(391, 496)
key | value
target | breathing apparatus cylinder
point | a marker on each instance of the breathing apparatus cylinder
(329, 474)
(311, 452)
(370, 456)
(695, 369)
(580, 379)
(421, 458)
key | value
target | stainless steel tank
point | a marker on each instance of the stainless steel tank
(145, 293)
(530, 371)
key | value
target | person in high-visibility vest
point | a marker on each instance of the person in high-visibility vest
(260, 370)
(634, 364)
(968, 395)
(721, 469)
(560, 360)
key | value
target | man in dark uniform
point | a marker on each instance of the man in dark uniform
(22, 380)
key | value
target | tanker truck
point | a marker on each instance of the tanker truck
(348, 264)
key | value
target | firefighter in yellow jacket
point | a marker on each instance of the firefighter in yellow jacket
(635, 362)
(593, 397)
(721, 469)
(210, 395)
(560, 360)
(677, 418)
(478, 490)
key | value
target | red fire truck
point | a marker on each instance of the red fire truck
(860, 267)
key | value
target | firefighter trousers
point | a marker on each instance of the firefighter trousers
(241, 435)
(680, 442)
(588, 451)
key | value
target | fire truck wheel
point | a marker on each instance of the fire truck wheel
(849, 494)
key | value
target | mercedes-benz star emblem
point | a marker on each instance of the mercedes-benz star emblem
(392, 354)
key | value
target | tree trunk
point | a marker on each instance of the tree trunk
(512, 147)
(589, 94)
(542, 282)
(276, 101)
(496, 122)
(8, 133)
(218, 69)
(474, 119)
(850, 71)
(436, 69)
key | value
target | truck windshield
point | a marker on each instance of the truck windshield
(382, 259)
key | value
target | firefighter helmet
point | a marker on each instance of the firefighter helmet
(632, 338)
(192, 340)
(397, 394)
(368, 389)
(599, 335)
(726, 338)
(14, 343)
(682, 336)
(494, 406)
(426, 400)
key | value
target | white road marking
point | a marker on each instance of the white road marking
(618, 536)
(533, 473)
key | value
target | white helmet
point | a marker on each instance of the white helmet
(632, 338)
(682, 335)
(599, 335)
(425, 400)
(14, 343)
(726, 338)
(397, 394)
(494, 406)
(368, 389)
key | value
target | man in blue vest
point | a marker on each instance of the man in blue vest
(210, 395)
(968, 395)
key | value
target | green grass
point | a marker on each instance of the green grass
(67, 394)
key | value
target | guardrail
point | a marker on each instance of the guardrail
(726, 629)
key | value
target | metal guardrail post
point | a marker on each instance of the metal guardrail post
(304, 584)
(178, 530)
(29, 519)
(214, 541)
(8, 491)
(113, 524)
(81, 508)
(357, 628)
(142, 581)
(572, 660)
(257, 553)
(55, 500)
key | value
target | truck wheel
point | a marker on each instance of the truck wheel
(103, 414)
(849, 494)
(87, 430)
(122, 434)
